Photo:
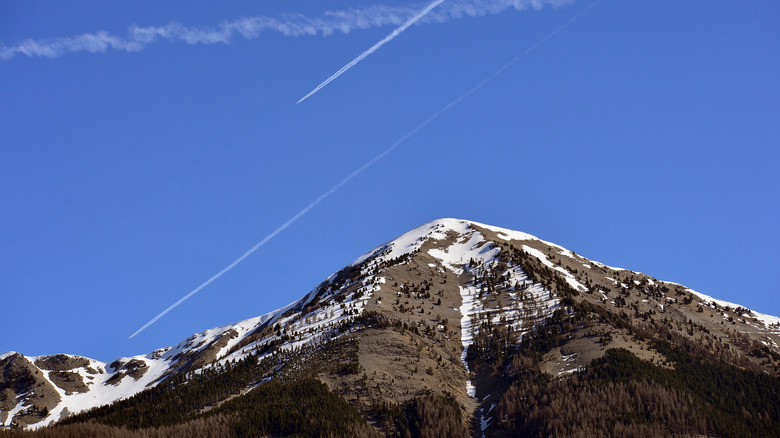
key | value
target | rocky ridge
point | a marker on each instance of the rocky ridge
(431, 312)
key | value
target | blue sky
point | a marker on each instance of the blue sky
(645, 135)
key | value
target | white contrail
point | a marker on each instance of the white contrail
(292, 25)
(357, 172)
(375, 47)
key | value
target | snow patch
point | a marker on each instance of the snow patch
(463, 250)
(571, 371)
(570, 279)
(7, 354)
(471, 390)
(413, 240)
(769, 321)
(12, 413)
(507, 234)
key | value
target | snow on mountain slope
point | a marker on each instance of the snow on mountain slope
(114, 381)
(481, 257)
(78, 383)
(770, 322)
(472, 249)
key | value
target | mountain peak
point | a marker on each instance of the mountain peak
(437, 229)
(422, 315)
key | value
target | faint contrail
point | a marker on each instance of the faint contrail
(138, 38)
(397, 143)
(374, 48)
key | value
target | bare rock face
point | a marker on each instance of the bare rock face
(61, 362)
(69, 382)
(24, 388)
(60, 366)
(134, 368)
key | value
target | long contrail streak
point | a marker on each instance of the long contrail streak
(137, 38)
(357, 172)
(375, 47)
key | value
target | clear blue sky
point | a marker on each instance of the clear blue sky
(644, 135)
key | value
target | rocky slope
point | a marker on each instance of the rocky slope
(441, 311)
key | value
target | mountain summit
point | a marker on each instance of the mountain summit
(454, 328)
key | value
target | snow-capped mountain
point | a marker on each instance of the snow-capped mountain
(426, 309)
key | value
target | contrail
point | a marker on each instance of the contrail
(375, 47)
(344, 21)
(357, 172)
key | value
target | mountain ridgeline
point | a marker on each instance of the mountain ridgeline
(453, 329)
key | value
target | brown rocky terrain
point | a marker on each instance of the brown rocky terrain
(457, 316)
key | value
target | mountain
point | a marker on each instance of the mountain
(454, 328)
